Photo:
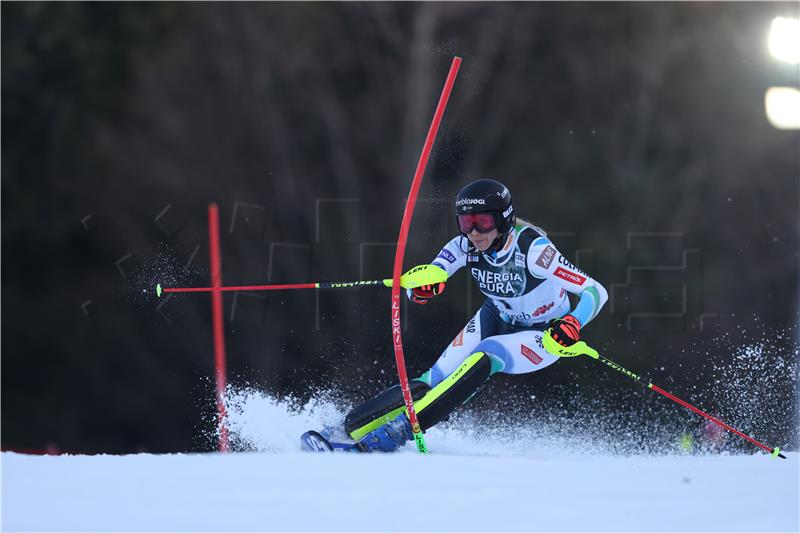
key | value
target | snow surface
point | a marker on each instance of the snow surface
(297, 491)
(545, 475)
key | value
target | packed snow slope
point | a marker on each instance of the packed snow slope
(258, 491)
(656, 468)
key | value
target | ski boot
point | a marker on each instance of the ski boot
(388, 437)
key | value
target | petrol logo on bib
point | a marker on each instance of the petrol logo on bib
(569, 276)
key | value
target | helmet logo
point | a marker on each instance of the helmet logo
(508, 211)
(470, 201)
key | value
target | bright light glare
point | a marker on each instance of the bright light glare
(783, 107)
(784, 39)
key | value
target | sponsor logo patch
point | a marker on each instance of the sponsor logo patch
(504, 283)
(509, 240)
(396, 322)
(519, 316)
(546, 257)
(569, 276)
(471, 201)
(459, 340)
(417, 269)
(532, 356)
(519, 259)
(543, 309)
(447, 256)
(539, 342)
(564, 261)
(473, 258)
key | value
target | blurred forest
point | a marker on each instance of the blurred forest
(634, 133)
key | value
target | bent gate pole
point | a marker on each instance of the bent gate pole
(400, 252)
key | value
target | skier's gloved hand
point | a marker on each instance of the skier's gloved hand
(566, 330)
(421, 295)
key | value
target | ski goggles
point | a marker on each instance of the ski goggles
(483, 222)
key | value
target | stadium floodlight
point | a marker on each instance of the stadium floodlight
(783, 107)
(784, 39)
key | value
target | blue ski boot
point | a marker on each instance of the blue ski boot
(389, 436)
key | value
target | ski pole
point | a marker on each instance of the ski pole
(581, 348)
(405, 225)
(416, 277)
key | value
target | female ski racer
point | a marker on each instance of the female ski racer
(525, 280)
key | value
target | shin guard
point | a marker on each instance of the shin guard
(381, 409)
(432, 405)
(454, 390)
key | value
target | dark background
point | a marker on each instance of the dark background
(634, 133)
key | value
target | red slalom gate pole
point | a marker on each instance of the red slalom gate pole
(216, 317)
(401, 249)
